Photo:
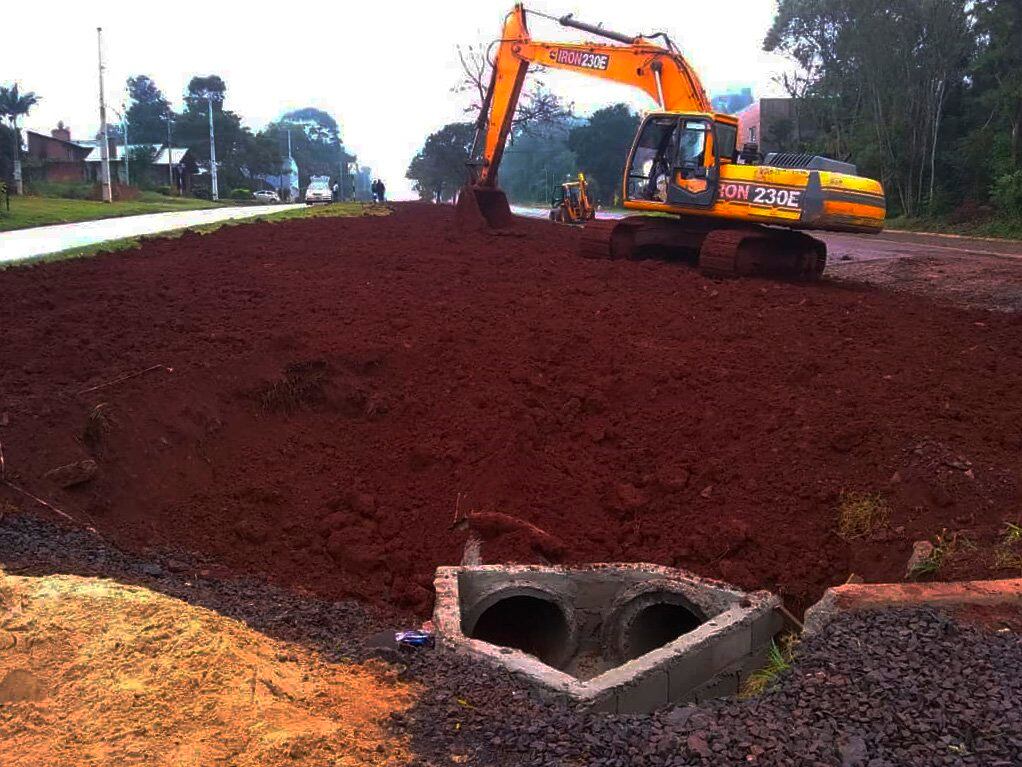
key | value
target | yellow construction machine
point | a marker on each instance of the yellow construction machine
(572, 204)
(740, 215)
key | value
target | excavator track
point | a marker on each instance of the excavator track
(597, 237)
(750, 252)
(731, 252)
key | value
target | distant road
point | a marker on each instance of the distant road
(41, 240)
(869, 247)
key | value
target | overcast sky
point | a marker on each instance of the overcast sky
(384, 69)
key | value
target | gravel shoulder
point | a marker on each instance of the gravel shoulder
(874, 689)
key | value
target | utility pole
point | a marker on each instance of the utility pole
(212, 151)
(124, 129)
(104, 151)
(290, 167)
(127, 170)
(170, 157)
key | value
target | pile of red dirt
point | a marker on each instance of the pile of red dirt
(341, 389)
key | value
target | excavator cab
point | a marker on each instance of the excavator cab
(676, 158)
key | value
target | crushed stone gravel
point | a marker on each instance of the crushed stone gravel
(873, 689)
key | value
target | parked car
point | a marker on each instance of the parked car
(266, 196)
(318, 191)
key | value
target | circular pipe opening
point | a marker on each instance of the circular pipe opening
(655, 625)
(531, 624)
(646, 617)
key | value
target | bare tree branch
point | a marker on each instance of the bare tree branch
(538, 106)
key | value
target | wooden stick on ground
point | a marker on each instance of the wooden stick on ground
(52, 508)
(126, 377)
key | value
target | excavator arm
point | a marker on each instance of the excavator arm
(661, 72)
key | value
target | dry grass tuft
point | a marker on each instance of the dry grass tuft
(301, 386)
(1008, 553)
(97, 424)
(861, 514)
(8, 509)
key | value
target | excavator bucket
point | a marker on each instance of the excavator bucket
(482, 208)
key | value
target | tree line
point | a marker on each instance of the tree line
(14, 104)
(924, 94)
(540, 156)
(315, 136)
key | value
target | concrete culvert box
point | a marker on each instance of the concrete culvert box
(620, 637)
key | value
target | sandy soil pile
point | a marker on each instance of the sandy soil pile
(96, 673)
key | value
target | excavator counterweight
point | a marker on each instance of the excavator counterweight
(739, 214)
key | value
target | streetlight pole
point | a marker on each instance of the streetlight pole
(104, 150)
(212, 152)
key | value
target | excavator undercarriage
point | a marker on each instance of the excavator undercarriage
(720, 250)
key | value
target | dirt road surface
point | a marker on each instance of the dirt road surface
(960, 270)
(317, 400)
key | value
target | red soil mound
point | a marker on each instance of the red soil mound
(341, 386)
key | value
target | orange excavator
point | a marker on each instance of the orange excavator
(740, 214)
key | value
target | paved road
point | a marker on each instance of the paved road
(38, 241)
(866, 247)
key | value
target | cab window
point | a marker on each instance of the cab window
(651, 156)
(692, 144)
(726, 137)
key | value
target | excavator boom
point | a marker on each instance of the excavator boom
(661, 72)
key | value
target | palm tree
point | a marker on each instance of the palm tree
(13, 105)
